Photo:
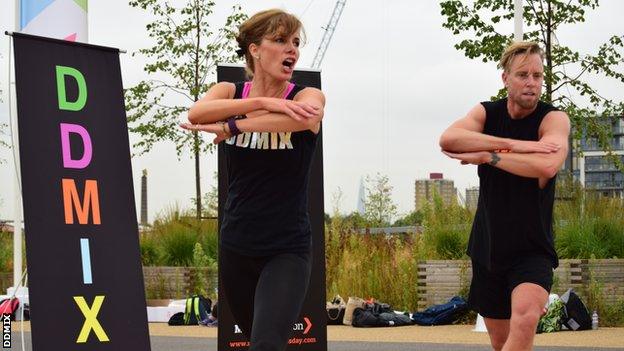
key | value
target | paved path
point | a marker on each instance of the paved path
(168, 343)
(412, 338)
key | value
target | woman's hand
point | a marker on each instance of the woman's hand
(297, 110)
(218, 129)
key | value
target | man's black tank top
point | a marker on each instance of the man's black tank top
(514, 216)
(266, 211)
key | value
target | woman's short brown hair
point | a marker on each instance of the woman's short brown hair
(269, 23)
(519, 48)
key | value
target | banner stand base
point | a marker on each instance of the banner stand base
(22, 296)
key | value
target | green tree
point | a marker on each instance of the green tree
(210, 205)
(202, 264)
(566, 70)
(412, 218)
(187, 50)
(379, 208)
(355, 220)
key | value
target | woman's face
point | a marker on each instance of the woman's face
(277, 55)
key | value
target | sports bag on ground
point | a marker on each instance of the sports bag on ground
(442, 314)
(575, 314)
(197, 309)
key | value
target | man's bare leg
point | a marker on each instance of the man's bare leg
(527, 306)
(498, 329)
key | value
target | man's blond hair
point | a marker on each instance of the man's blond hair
(518, 48)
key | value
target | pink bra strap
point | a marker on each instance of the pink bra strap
(247, 89)
(291, 86)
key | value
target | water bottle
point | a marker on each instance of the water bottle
(595, 320)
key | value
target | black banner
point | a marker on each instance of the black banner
(82, 245)
(309, 332)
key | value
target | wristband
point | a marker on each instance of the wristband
(231, 122)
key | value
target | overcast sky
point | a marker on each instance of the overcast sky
(392, 79)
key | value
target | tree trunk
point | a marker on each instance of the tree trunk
(198, 196)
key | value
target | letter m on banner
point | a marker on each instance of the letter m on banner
(71, 201)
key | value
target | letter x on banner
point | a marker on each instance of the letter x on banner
(82, 245)
(309, 331)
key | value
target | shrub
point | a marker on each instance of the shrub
(171, 240)
(588, 225)
(446, 230)
(371, 265)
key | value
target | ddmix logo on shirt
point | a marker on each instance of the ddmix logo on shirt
(262, 140)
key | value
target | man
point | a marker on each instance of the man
(519, 143)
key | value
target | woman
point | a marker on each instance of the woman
(265, 232)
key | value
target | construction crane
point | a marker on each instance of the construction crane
(329, 32)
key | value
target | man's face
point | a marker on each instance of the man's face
(524, 80)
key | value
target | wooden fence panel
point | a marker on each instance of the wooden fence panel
(160, 282)
(439, 280)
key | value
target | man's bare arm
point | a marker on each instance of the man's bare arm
(555, 128)
(466, 135)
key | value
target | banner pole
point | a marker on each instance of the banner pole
(518, 14)
(17, 201)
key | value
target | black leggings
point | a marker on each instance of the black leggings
(265, 295)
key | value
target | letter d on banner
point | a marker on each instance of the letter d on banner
(81, 100)
(68, 162)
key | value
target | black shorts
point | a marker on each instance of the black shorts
(490, 290)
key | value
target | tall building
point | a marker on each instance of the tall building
(144, 198)
(361, 208)
(425, 188)
(472, 197)
(595, 170)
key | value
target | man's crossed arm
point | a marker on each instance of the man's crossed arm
(464, 140)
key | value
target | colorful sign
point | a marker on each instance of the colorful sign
(60, 19)
(82, 244)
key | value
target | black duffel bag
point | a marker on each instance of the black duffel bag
(575, 314)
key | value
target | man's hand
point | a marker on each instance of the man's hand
(214, 128)
(297, 110)
(473, 158)
(525, 146)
